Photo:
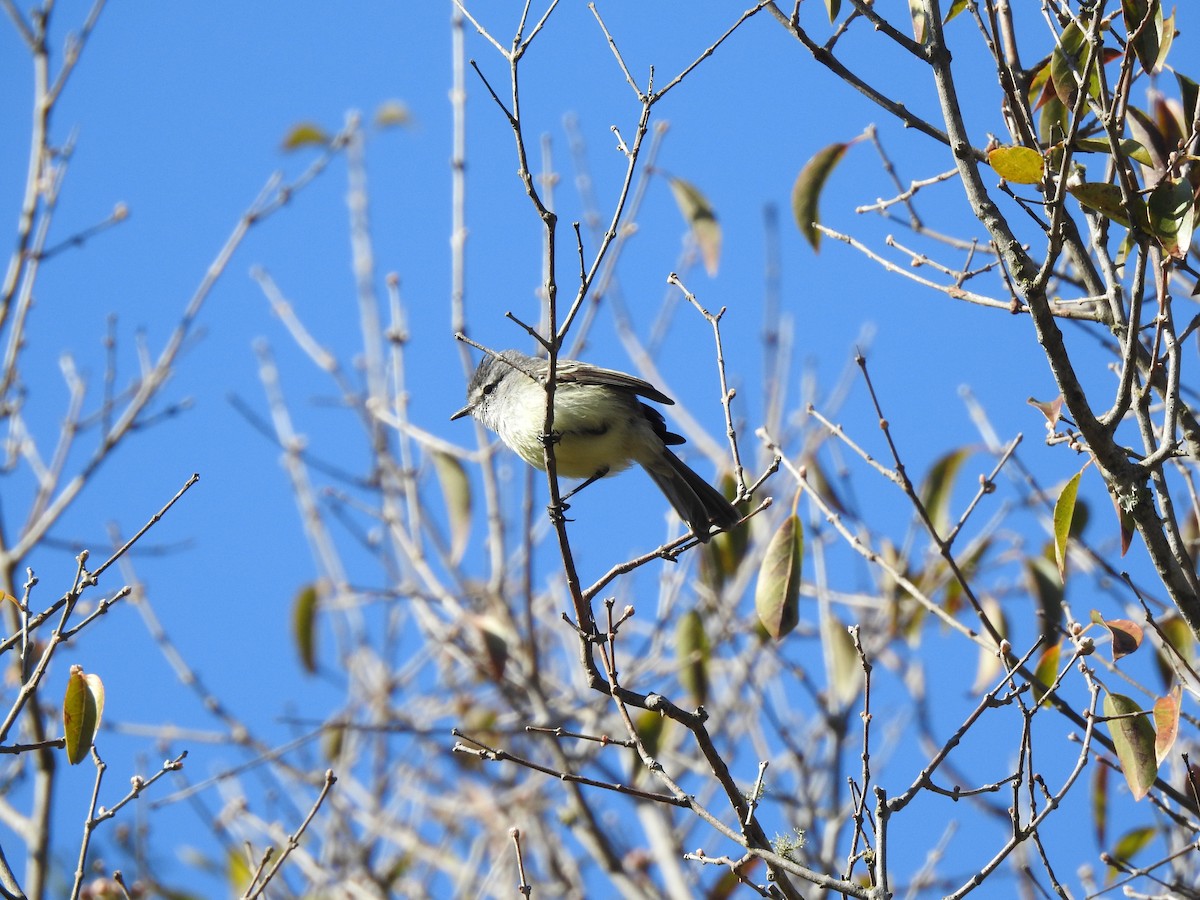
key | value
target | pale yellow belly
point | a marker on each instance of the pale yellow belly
(598, 429)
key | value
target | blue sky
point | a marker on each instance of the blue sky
(179, 111)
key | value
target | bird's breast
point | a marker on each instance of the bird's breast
(598, 428)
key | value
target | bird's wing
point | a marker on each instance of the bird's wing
(581, 373)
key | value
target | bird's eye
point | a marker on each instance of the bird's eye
(489, 387)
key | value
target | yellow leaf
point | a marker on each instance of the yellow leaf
(955, 8)
(305, 134)
(1020, 165)
(237, 871)
(701, 218)
(693, 650)
(392, 113)
(1064, 511)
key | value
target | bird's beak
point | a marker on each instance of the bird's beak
(465, 411)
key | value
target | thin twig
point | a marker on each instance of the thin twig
(256, 888)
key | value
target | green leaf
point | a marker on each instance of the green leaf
(1166, 723)
(1102, 198)
(1066, 65)
(83, 707)
(304, 631)
(806, 192)
(333, 741)
(1046, 670)
(456, 491)
(1064, 511)
(1133, 841)
(699, 215)
(1133, 738)
(1106, 199)
(1172, 216)
(1100, 803)
(306, 134)
(652, 730)
(833, 7)
(1189, 92)
(693, 650)
(725, 553)
(1052, 121)
(1127, 146)
(777, 595)
(1126, 247)
(1020, 165)
(938, 489)
(1166, 39)
(649, 727)
(1146, 46)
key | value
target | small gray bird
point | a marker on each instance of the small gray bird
(602, 427)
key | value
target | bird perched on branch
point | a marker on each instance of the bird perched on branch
(601, 426)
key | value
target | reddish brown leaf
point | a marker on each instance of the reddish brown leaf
(1051, 409)
(1166, 723)
(1126, 522)
(1126, 635)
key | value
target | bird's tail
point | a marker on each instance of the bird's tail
(698, 503)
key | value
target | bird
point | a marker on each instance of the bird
(601, 427)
